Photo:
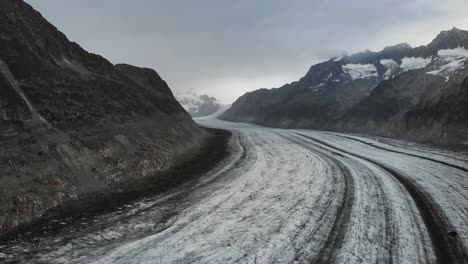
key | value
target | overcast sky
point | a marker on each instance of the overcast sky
(227, 47)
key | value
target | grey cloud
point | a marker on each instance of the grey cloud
(226, 48)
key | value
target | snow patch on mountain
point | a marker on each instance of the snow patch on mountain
(360, 71)
(452, 60)
(414, 63)
(391, 67)
(453, 53)
(317, 86)
(338, 58)
(190, 101)
(198, 105)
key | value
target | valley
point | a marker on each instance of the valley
(286, 196)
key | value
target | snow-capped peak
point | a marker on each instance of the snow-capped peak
(198, 105)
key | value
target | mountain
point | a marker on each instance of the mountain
(428, 104)
(72, 123)
(199, 105)
(417, 93)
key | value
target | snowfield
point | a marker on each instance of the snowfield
(414, 63)
(451, 60)
(360, 71)
(288, 196)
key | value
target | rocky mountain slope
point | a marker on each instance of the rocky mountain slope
(416, 93)
(71, 123)
(198, 105)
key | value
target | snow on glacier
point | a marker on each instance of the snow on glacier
(452, 60)
(414, 63)
(360, 71)
(390, 65)
(276, 199)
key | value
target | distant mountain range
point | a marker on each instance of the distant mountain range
(416, 93)
(198, 105)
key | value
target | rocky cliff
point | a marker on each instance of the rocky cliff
(71, 123)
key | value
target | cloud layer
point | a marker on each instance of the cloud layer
(226, 48)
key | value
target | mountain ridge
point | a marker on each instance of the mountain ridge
(336, 91)
(72, 123)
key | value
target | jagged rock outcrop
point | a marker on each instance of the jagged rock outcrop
(72, 123)
(405, 92)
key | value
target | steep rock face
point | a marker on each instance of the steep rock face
(385, 93)
(199, 105)
(72, 123)
(438, 115)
